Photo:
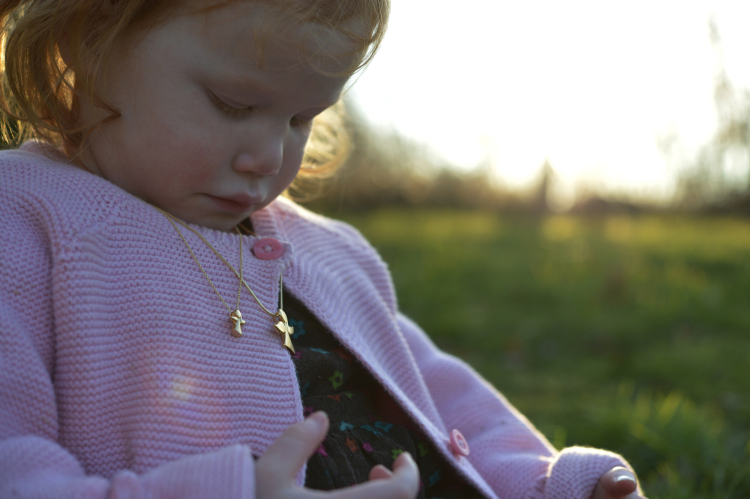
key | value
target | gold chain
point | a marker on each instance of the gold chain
(239, 289)
(282, 327)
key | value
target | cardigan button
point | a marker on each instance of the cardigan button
(459, 445)
(267, 249)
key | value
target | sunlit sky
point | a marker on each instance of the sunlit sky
(589, 85)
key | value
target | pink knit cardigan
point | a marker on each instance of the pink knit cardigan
(119, 378)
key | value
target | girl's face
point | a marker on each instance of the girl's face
(209, 131)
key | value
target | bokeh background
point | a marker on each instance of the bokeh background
(562, 191)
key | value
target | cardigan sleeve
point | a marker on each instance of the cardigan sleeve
(511, 455)
(35, 467)
(32, 462)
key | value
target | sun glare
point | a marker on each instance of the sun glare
(591, 86)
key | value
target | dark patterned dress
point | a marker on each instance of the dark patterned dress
(367, 426)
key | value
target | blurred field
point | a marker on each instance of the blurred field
(631, 334)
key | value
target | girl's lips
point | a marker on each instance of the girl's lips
(235, 204)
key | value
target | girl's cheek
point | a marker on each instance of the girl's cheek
(195, 144)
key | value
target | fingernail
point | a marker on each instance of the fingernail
(318, 418)
(624, 478)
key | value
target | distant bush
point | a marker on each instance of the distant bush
(386, 168)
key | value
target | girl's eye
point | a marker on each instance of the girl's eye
(242, 112)
(231, 111)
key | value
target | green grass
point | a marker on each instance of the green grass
(631, 334)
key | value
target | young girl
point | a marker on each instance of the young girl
(167, 320)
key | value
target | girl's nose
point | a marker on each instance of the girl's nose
(263, 158)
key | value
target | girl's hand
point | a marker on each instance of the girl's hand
(617, 483)
(276, 470)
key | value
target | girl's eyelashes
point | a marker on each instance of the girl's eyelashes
(242, 112)
(231, 111)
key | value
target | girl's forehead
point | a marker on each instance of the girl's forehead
(268, 36)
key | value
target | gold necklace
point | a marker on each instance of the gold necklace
(282, 327)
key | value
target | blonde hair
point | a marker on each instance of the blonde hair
(40, 92)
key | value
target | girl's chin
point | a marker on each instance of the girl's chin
(223, 222)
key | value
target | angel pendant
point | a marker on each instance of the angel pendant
(238, 321)
(284, 329)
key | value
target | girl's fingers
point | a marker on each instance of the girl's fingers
(284, 458)
(402, 484)
(617, 483)
(380, 472)
(278, 466)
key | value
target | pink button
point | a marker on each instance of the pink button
(267, 249)
(459, 444)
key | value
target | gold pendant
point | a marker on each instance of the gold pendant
(236, 318)
(285, 330)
